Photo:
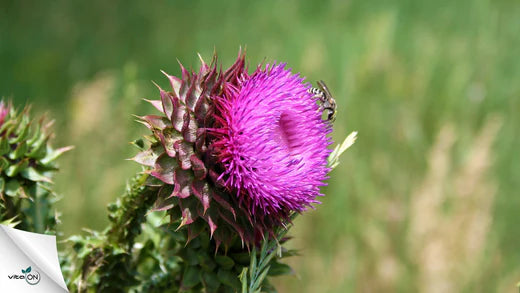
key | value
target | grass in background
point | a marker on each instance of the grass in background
(427, 198)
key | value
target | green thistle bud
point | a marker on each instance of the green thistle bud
(27, 162)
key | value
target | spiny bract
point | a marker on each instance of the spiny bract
(27, 161)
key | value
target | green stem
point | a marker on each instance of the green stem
(111, 260)
(38, 217)
(131, 212)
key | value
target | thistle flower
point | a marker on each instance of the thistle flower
(234, 152)
(272, 143)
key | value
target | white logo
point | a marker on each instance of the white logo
(30, 276)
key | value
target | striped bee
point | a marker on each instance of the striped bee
(326, 99)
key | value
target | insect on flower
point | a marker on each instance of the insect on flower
(326, 99)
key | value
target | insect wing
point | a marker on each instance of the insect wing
(324, 88)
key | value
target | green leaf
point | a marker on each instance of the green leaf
(258, 282)
(190, 256)
(7, 127)
(14, 169)
(4, 163)
(36, 134)
(23, 130)
(252, 271)
(278, 269)
(228, 278)
(53, 155)
(191, 277)
(20, 150)
(21, 124)
(242, 258)
(39, 148)
(28, 270)
(290, 252)
(211, 281)
(263, 250)
(224, 262)
(206, 262)
(33, 175)
(264, 262)
(4, 146)
(117, 250)
(243, 279)
(2, 185)
(10, 222)
(11, 188)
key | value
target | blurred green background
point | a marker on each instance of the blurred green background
(426, 200)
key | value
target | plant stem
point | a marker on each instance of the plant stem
(38, 217)
(131, 212)
(111, 259)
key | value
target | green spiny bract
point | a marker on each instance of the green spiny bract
(27, 162)
(181, 158)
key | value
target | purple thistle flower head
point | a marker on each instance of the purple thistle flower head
(272, 143)
(235, 153)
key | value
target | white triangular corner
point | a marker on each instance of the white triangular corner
(20, 250)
